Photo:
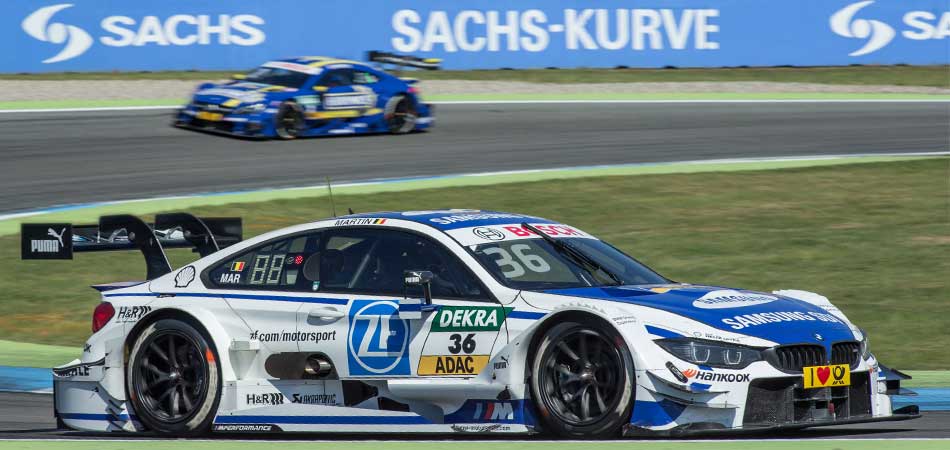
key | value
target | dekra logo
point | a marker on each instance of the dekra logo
(125, 31)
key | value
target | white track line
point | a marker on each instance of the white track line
(515, 102)
(24, 214)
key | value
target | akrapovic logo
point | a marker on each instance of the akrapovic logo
(126, 31)
(920, 25)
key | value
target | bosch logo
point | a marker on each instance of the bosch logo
(490, 234)
(877, 33)
(39, 27)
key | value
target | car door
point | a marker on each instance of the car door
(342, 97)
(266, 286)
(454, 338)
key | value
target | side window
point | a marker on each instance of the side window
(360, 77)
(373, 261)
(290, 264)
(337, 77)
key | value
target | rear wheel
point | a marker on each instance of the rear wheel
(173, 379)
(289, 121)
(400, 115)
(582, 381)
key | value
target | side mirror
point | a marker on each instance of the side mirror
(412, 308)
(238, 76)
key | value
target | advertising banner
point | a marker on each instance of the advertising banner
(106, 35)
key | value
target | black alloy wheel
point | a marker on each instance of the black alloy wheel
(174, 380)
(400, 115)
(582, 381)
(289, 121)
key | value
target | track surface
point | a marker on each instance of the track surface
(61, 158)
(31, 416)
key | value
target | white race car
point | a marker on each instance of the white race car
(454, 321)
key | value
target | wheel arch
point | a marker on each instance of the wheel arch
(202, 320)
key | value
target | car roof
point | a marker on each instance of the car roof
(450, 219)
(319, 61)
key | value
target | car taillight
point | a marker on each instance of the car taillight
(414, 90)
(102, 315)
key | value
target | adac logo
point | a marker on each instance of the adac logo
(39, 27)
(877, 33)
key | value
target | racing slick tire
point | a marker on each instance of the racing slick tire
(173, 379)
(289, 121)
(400, 115)
(582, 381)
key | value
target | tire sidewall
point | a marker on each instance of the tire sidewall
(390, 109)
(288, 108)
(200, 422)
(610, 425)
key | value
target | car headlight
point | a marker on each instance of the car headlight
(709, 353)
(250, 109)
(865, 344)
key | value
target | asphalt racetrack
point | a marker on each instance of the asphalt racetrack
(30, 416)
(55, 158)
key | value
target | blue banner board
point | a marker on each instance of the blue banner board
(106, 35)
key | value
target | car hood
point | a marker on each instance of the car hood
(243, 92)
(776, 318)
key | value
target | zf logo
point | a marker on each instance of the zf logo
(378, 342)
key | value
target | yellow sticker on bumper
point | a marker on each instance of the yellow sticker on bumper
(452, 364)
(210, 116)
(827, 376)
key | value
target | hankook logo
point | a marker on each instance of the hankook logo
(877, 33)
(39, 27)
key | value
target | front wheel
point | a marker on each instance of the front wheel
(173, 379)
(289, 121)
(400, 115)
(582, 381)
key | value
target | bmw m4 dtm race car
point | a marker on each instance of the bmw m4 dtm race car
(454, 321)
(312, 96)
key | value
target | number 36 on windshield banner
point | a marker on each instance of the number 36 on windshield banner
(827, 376)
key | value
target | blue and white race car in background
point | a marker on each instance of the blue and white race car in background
(312, 96)
(454, 321)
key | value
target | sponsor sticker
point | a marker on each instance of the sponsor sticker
(293, 336)
(378, 340)
(469, 318)
(727, 298)
(751, 320)
(344, 222)
(185, 277)
(246, 428)
(129, 314)
(436, 365)
(827, 376)
(265, 399)
(314, 399)
(46, 241)
(719, 377)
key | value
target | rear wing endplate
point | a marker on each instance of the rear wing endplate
(404, 60)
(127, 232)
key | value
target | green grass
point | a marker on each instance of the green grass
(937, 76)
(877, 444)
(22, 354)
(928, 379)
(874, 237)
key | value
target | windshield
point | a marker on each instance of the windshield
(535, 264)
(278, 77)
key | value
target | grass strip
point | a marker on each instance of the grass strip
(91, 213)
(935, 76)
(873, 237)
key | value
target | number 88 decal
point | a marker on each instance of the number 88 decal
(267, 269)
(514, 269)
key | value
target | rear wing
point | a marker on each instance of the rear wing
(404, 60)
(126, 232)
